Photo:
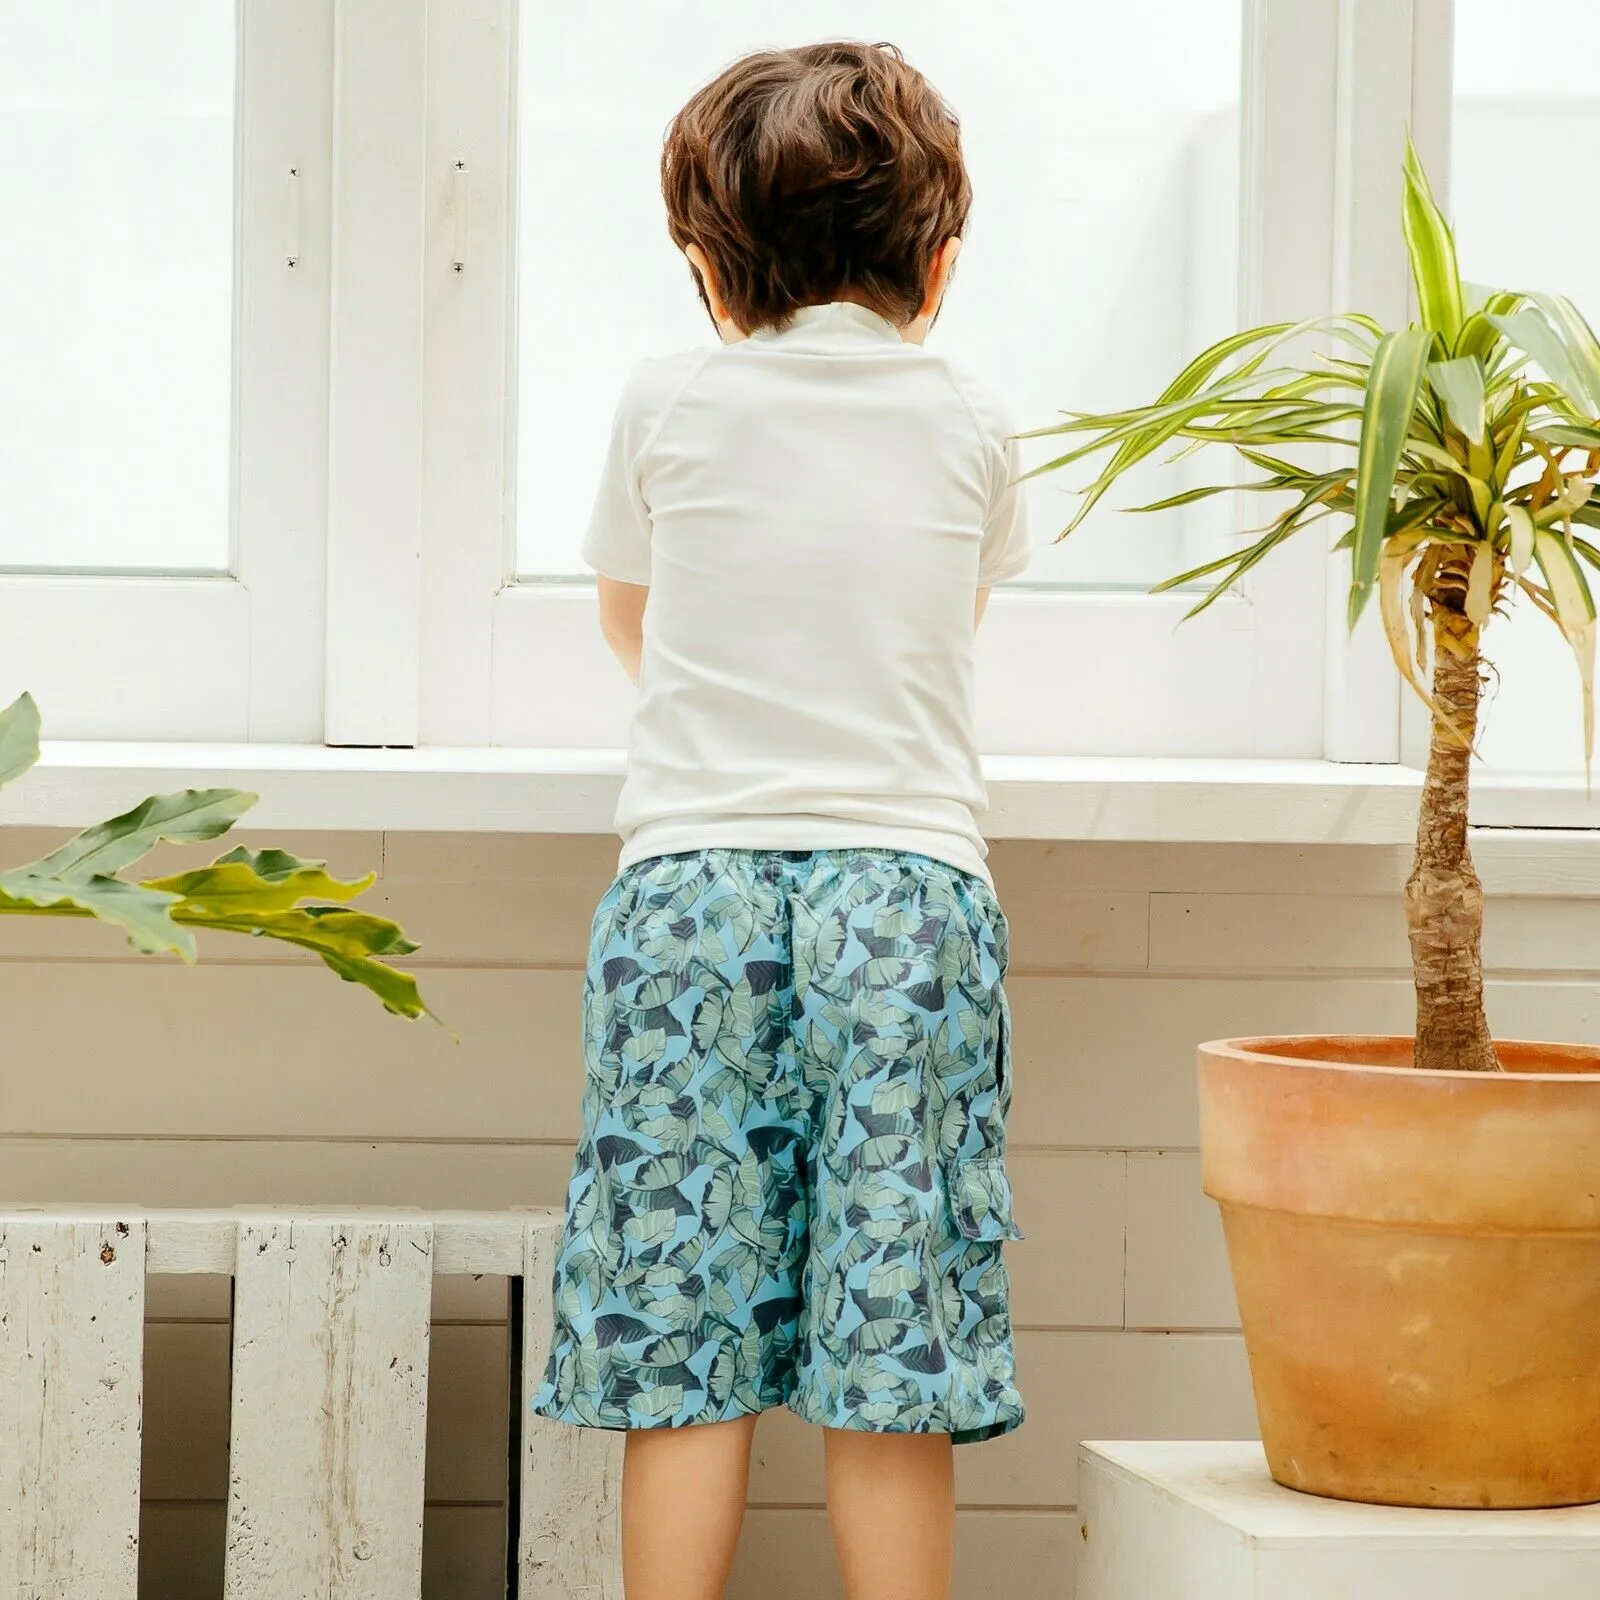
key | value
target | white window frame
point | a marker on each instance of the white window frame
(373, 600)
(1371, 718)
(237, 656)
(1061, 672)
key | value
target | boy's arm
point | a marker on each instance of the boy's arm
(622, 621)
(617, 544)
(978, 610)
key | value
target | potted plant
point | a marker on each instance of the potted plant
(1413, 1225)
(269, 893)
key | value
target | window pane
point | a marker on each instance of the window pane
(1521, 224)
(116, 283)
(1103, 144)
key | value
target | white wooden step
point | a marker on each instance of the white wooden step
(1206, 1522)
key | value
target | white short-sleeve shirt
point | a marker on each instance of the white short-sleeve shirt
(813, 511)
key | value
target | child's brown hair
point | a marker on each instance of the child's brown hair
(829, 172)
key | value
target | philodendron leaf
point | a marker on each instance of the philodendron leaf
(352, 943)
(19, 737)
(1391, 402)
(186, 817)
(144, 914)
(250, 881)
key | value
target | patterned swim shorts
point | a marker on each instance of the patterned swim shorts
(790, 1185)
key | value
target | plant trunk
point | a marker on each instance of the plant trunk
(1444, 898)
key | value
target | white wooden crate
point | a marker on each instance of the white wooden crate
(329, 1400)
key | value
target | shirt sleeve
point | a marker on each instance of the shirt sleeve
(617, 544)
(1006, 548)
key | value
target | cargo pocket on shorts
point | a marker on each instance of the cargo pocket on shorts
(980, 1198)
(977, 1183)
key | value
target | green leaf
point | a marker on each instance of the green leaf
(1479, 336)
(1459, 385)
(1577, 339)
(1432, 249)
(1190, 496)
(1510, 447)
(1533, 335)
(145, 915)
(182, 818)
(1397, 368)
(1575, 613)
(352, 943)
(19, 737)
(1568, 435)
(269, 880)
(1519, 521)
(1136, 434)
(1146, 428)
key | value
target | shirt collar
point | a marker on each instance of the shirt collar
(839, 322)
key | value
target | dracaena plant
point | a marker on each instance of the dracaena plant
(269, 893)
(1464, 450)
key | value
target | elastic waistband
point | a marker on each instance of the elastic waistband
(772, 862)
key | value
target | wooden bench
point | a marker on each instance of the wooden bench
(329, 1400)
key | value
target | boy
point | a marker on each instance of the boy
(790, 1187)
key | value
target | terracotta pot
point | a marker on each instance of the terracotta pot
(1417, 1260)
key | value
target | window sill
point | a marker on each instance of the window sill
(304, 787)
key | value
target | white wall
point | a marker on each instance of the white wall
(254, 1078)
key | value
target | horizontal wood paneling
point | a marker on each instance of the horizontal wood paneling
(1076, 1386)
(292, 1051)
(1511, 861)
(181, 1548)
(463, 1553)
(258, 1078)
(1297, 932)
(187, 1297)
(186, 1411)
(1000, 1555)
(528, 897)
(1068, 1270)
(205, 1172)
(1177, 1265)
(468, 1414)
(1100, 1062)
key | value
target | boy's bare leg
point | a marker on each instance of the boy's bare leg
(892, 1508)
(683, 1493)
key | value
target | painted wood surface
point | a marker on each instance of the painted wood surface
(71, 1348)
(330, 1382)
(1193, 1521)
(571, 1477)
(1125, 955)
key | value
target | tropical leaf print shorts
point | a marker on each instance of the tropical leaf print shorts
(790, 1187)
